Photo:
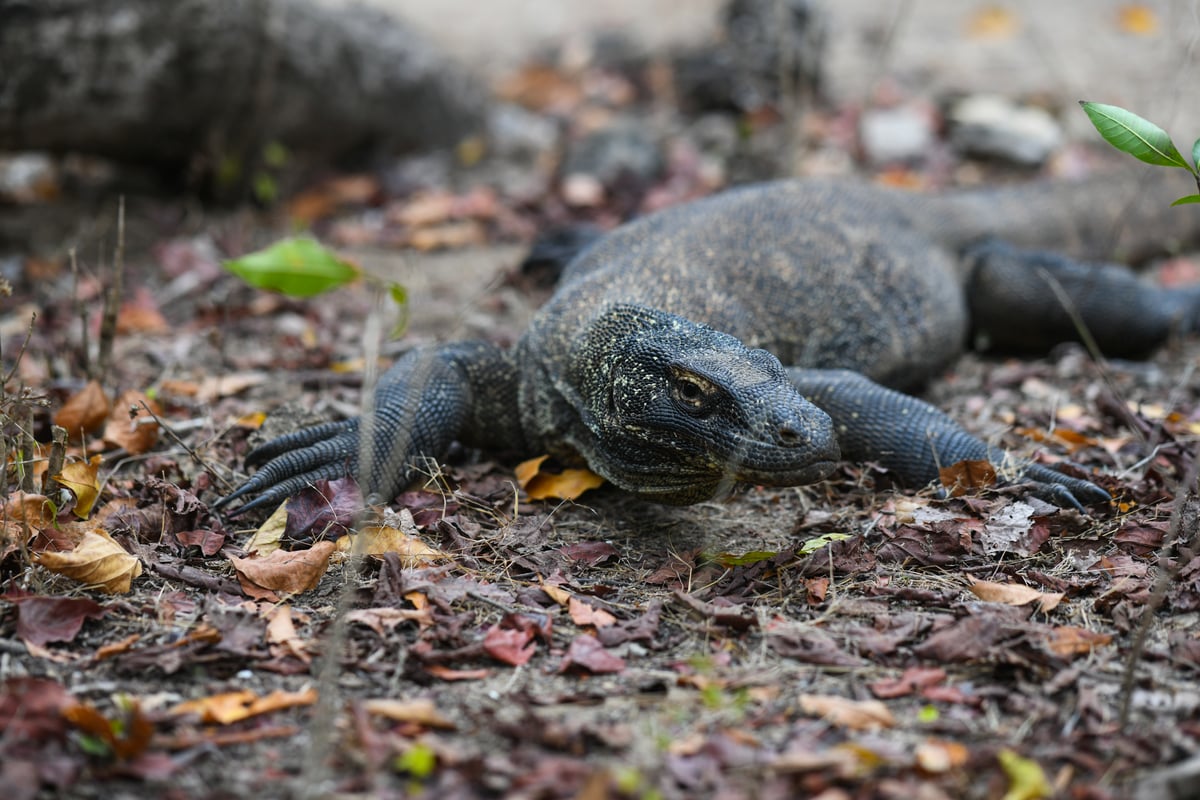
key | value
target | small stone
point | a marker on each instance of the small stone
(895, 135)
(994, 127)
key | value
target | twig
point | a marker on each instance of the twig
(58, 454)
(81, 310)
(112, 299)
(167, 429)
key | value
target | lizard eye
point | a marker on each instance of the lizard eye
(692, 392)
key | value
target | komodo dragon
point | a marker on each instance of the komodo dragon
(659, 362)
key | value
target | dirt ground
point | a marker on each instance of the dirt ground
(851, 639)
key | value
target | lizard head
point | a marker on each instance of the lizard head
(677, 412)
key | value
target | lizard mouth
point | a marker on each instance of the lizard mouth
(811, 472)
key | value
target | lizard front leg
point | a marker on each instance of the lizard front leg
(429, 398)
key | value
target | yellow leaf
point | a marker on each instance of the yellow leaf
(1013, 594)
(1137, 19)
(557, 593)
(230, 707)
(854, 714)
(266, 539)
(992, 22)
(565, 485)
(97, 562)
(378, 540)
(82, 478)
(1026, 781)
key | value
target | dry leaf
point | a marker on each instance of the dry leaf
(283, 573)
(421, 712)
(449, 236)
(993, 22)
(556, 593)
(859, 715)
(218, 386)
(585, 614)
(83, 479)
(266, 539)
(1138, 19)
(966, 476)
(223, 709)
(130, 426)
(938, 756)
(566, 485)
(384, 619)
(281, 634)
(377, 540)
(1013, 594)
(97, 562)
(84, 412)
(35, 509)
(135, 731)
(1070, 641)
(141, 315)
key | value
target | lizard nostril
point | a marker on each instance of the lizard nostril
(788, 435)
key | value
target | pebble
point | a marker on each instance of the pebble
(895, 135)
(994, 127)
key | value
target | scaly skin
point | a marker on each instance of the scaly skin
(659, 362)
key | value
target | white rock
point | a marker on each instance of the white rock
(994, 127)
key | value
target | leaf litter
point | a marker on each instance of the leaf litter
(842, 639)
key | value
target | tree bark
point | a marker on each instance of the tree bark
(168, 82)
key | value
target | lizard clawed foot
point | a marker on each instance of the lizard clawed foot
(296, 460)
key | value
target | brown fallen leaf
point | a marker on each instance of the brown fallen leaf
(42, 620)
(97, 562)
(34, 509)
(565, 485)
(84, 412)
(282, 636)
(859, 715)
(965, 476)
(131, 426)
(126, 738)
(1071, 641)
(283, 573)
(385, 619)
(266, 539)
(420, 711)
(83, 479)
(141, 314)
(1013, 594)
(585, 614)
(588, 654)
(937, 756)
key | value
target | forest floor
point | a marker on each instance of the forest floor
(850, 639)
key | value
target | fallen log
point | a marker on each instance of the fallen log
(190, 84)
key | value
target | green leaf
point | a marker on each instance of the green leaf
(743, 560)
(275, 155)
(1196, 153)
(1131, 134)
(816, 543)
(418, 761)
(297, 267)
(1183, 201)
